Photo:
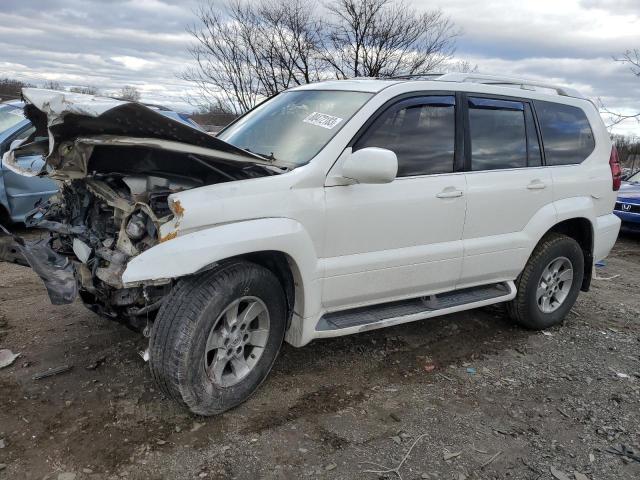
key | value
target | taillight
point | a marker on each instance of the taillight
(616, 171)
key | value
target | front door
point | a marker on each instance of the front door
(402, 239)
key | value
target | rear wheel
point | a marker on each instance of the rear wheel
(217, 336)
(549, 284)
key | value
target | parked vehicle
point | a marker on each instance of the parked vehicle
(330, 209)
(628, 203)
(19, 194)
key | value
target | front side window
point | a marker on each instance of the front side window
(420, 131)
(498, 134)
(566, 133)
(293, 127)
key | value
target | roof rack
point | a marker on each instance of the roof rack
(499, 80)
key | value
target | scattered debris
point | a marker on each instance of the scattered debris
(331, 466)
(67, 476)
(580, 476)
(394, 417)
(99, 361)
(3, 466)
(623, 451)
(471, 370)
(622, 375)
(449, 455)
(196, 426)
(2, 443)
(395, 470)
(488, 462)
(548, 334)
(560, 475)
(144, 354)
(429, 367)
(7, 357)
(52, 371)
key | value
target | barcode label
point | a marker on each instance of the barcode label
(322, 120)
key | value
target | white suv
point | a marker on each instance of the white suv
(330, 209)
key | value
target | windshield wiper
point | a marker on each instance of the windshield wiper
(269, 157)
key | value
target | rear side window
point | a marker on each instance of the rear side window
(566, 133)
(420, 131)
(498, 134)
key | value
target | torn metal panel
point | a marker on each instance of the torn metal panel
(55, 270)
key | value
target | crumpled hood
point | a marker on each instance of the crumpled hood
(65, 117)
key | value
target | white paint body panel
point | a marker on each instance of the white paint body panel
(354, 244)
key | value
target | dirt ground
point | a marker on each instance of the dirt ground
(474, 395)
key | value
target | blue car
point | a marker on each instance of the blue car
(19, 194)
(628, 203)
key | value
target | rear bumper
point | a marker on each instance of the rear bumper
(605, 233)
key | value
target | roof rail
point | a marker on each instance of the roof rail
(500, 80)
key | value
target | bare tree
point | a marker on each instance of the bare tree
(247, 51)
(632, 59)
(52, 85)
(377, 38)
(10, 88)
(88, 90)
(128, 93)
(460, 66)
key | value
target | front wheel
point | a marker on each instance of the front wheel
(549, 284)
(217, 336)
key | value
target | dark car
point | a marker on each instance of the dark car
(628, 203)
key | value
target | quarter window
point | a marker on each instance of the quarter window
(566, 133)
(421, 132)
(497, 133)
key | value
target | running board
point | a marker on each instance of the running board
(393, 313)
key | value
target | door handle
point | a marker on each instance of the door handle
(537, 185)
(449, 193)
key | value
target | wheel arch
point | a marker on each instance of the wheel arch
(581, 230)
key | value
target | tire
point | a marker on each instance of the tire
(192, 334)
(528, 308)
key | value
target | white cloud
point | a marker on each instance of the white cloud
(144, 43)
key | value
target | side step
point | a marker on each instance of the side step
(392, 313)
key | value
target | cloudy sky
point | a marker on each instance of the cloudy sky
(111, 43)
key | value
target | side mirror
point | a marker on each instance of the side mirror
(371, 165)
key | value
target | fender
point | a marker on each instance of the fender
(193, 252)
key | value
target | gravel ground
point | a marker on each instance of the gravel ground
(475, 396)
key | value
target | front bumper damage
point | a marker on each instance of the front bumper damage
(121, 167)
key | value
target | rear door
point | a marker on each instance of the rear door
(403, 238)
(507, 185)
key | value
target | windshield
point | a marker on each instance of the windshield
(635, 178)
(294, 126)
(10, 117)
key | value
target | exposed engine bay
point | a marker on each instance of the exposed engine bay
(117, 164)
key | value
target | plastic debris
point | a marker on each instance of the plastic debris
(559, 474)
(471, 370)
(52, 371)
(7, 357)
(449, 456)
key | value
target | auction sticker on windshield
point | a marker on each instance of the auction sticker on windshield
(322, 120)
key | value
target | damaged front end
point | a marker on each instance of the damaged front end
(117, 163)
